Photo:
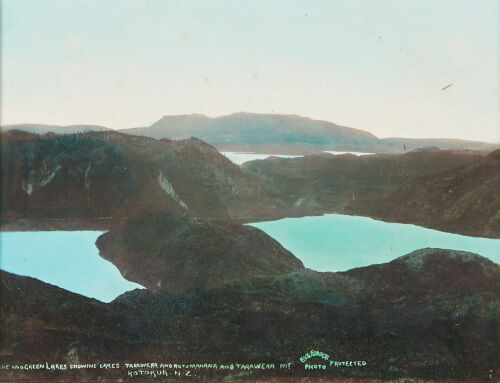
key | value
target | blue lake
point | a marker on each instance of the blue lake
(241, 157)
(337, 153)
(70, 259)
(339, 242)
(67, 259)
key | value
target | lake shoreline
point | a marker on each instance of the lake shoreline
(66, 259)
(106, 223)
(324, 243)
(336, 236)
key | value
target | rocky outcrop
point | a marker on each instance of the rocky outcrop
(432, 314)
(167, 252)
(111, 175)
(102, 178)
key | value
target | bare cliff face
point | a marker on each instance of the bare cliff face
(167, 252)
(62, 177)
(98, 179)
(109, 175)
(431, 314)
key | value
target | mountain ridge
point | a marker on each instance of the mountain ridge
(102, 178)
(56, 129)
(287, 133)
(268, 133)
(431, 314)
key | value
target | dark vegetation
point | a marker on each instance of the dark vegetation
(218, 291)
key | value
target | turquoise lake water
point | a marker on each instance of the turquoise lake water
(339, 242)
(67, 259)
(337, 153)
(70, 259)
(241, 157)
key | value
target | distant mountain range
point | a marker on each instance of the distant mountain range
(268, 133)
(276, 133)
(44, 129)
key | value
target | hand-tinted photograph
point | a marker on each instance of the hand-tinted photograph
(250, 191)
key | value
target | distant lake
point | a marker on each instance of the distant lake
(336, 153)
(340, 242)
(67, 259)
(241, 157)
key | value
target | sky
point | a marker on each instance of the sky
(376, 65)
